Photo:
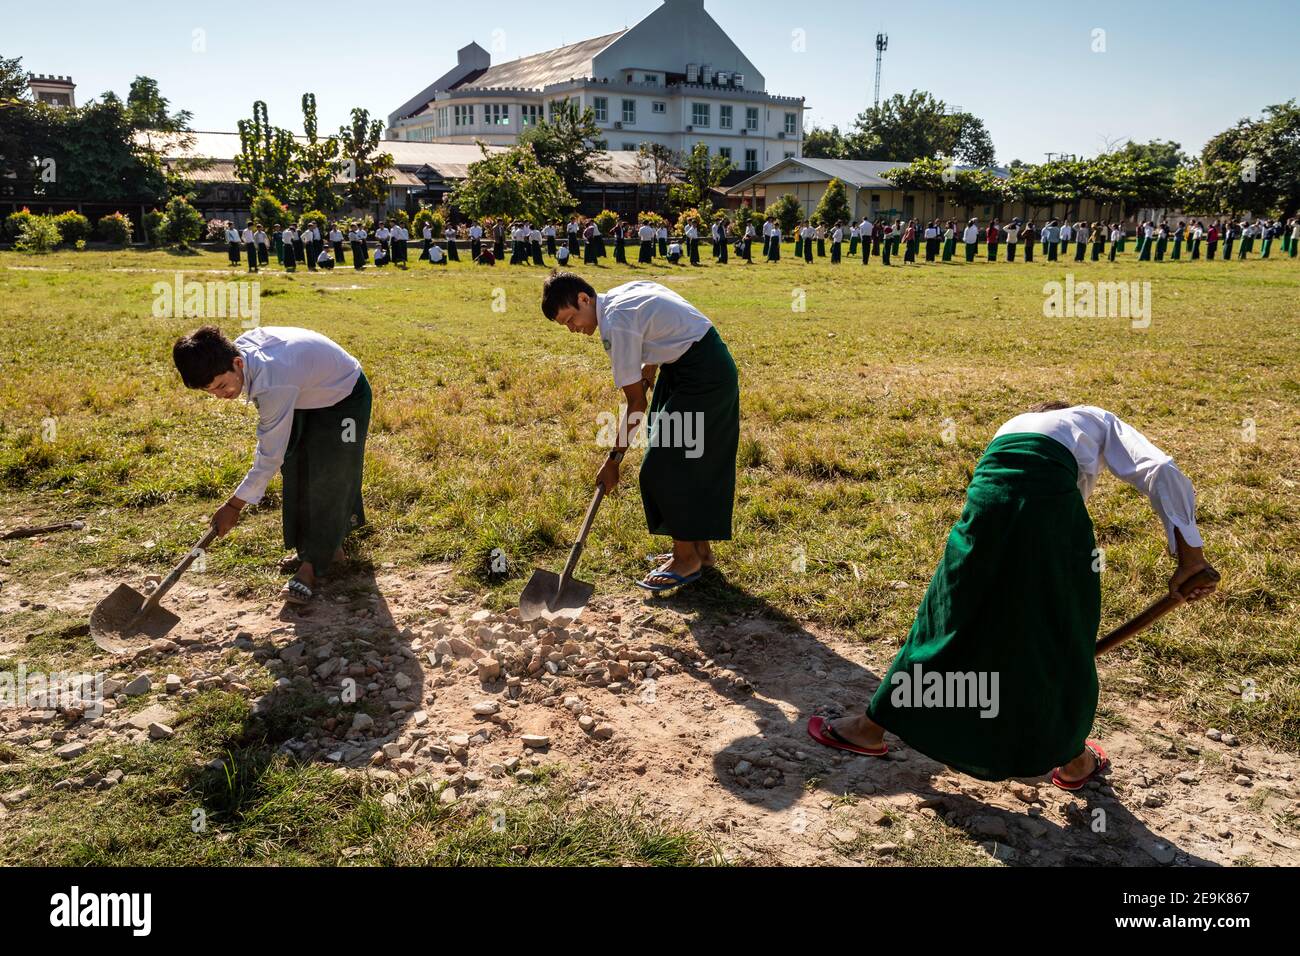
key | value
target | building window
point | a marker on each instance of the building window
(497, 114)
(629, 111)
(658, 107)
(530, 114)
(700, 114)
(751, 160)
(791, 122)
(751, 118)
(652, 78)
(789, 154)
(553, 107)
(629, 147)
(465, 115)
(600, 105)
(725, 152)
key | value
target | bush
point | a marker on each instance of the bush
(114, 229)
(72, 226)
(152, 225)
(652, 219)
(181, 224)
(437, 222)
(689, 217)
(788, 212)
(606, 221)
(39, 234)
(316, 216)
(399, 217)
(216, 230)
(15, 222)
(268, 210)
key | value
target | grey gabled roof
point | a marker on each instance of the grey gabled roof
(542, 69)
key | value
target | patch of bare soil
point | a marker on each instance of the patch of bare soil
(649, 703)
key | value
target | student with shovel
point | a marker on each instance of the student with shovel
(688, 473)
(313, 404)
(998, 677)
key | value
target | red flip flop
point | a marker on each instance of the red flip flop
(1098, 755)
(820, 730)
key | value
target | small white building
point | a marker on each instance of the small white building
(674, 79)
(53, 90)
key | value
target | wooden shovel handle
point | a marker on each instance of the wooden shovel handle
(582, 535)
(42, 529)
(166, 583)
(1157, 610)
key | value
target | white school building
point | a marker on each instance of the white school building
(674, 79)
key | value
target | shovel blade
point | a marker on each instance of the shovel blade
(545, 599)
(117, 626)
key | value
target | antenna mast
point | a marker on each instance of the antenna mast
(882, 44)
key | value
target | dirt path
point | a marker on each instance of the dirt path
(701, 723)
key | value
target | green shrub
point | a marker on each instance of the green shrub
(268, 210)
(437, 222)
(72, 226)
(14, 223)
(181, 224)
(606, 221)
(114, 229)
(652, 219)
(399, 217)
(152, 223)
(687, 217)
(39, 234)
(316, 216)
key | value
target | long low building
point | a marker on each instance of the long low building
(870, 194)
(422, 172)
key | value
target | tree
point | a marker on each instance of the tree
(821, 143)
(919, 126)
(318, 165)
(701, 175)
(268, 210)
(567, 142)
(1266, 153)
(1045, 185)
(788, 212)
(365, 169)
(512, 185)
(1160, 152)
(267, 155)
(146, 108)
(834, 205)
(13, 79)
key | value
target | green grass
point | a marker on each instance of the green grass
(484, 427)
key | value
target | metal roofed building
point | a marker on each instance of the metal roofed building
(674, 79)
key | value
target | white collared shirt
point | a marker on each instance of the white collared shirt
(286, 369)
(1096, 438)
(247, 235)
(645, 323)
(972, 234)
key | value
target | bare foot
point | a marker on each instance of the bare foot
(1080, 767)
(684, 562)
(861, 731)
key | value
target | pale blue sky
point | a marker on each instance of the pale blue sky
(1171, 71)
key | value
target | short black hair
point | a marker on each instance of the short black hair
(561, 290)
(203, 355)
(1054, 406)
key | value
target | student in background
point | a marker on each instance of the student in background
(971, 237)
(949, 240)
(262, 242)
(992, 237)
(250, 248)
(1028, 236)
(449, 234)
(232, 244)
(837, 240)
(931, 240)
(1012, 236)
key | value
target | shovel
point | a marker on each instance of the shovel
(560, 597)
(1156, 611)
(125, 617)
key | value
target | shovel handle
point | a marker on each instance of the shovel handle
(1157, 610)
(582, 535)
(166, 583)
(42, 529)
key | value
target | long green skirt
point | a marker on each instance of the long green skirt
(688, 474)
(1014, 596)
(322, 476)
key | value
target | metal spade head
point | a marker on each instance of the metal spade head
(117, 625)
(549, 597)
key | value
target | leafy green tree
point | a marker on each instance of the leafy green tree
(819, 143)
(567, 143)
(512, 185)
(834, 205)
(318, 163)
(1046, 185)
(13, 79)
(919, 126)
(788, 212)
(366, 170)
(39, 234)
(701, 174)
(1266, 152)
(268, 155)
(268, 210)
(147, 108)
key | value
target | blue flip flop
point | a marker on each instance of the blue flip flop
(678, 581)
